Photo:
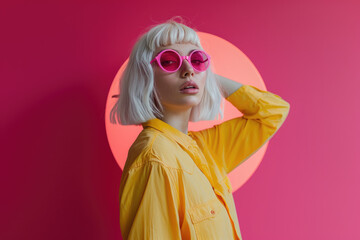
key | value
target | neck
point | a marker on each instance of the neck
(178, 120)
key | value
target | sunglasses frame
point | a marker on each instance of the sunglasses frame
(188, 58)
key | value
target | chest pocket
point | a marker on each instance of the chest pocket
(211, 221)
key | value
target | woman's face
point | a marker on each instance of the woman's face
(169, 86)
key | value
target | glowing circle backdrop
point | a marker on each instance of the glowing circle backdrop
(226, 60)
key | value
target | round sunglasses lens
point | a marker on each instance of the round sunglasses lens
(169, 60)
(199, 60)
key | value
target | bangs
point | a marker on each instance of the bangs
(171, 33)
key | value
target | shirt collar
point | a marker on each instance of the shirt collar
(175, 134)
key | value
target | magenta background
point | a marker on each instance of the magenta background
(59, 179)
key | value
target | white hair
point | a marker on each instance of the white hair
(138, 101)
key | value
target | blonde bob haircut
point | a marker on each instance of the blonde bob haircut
(138, 101)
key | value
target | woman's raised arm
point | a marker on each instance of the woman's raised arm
(232, 142)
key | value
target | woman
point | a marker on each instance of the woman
(174, 184)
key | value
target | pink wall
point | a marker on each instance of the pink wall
(59, 179)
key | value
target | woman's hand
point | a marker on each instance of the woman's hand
(228, 86)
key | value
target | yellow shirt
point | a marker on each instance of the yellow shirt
(175, 185)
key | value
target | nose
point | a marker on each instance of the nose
(186, 69)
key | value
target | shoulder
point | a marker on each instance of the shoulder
(154, 147)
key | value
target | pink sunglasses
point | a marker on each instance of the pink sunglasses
(170, 61)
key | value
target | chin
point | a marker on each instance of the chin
(193, 100)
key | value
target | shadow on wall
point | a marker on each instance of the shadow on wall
(60, 178)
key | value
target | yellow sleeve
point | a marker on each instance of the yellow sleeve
(234, 141)
(149, 203)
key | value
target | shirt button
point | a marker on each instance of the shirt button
(212, 212)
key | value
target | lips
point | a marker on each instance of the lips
(189, 85)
